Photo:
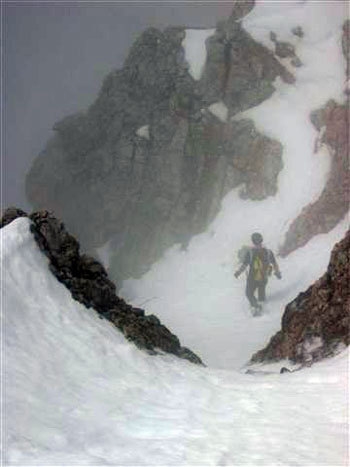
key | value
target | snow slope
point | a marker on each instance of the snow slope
(75, 392)
(196, 295)
(194, 292)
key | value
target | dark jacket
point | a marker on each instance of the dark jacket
(267, 258)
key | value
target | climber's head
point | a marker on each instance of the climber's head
(257, 238)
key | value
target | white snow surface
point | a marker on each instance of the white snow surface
(220, 111)
(143, 132)
(195, 50)
(195, 294)
(75, 392)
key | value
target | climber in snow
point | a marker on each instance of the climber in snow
(261, 262)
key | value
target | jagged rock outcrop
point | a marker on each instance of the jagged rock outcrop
(10, 214)
(286, 50)
(88, 282)
(332, 123)
(317, 322)
(149, 162)
(241, 9)
(239, 71)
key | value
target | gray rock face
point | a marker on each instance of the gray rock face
(239, 70)
(10, 214)
(346, 48)
(148, 164)
(241, 9)
(285, 50)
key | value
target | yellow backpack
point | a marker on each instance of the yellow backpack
(258, 268)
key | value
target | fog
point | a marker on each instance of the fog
(55, 56)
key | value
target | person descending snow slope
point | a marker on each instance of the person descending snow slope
(261, 261)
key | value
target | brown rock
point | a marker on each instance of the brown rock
(333, 203)
(317, 322)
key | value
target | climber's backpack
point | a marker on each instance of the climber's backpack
(261, 263)
(258, 268)
(259, 260)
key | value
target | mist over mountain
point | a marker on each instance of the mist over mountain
(55, 58)
(148, 164)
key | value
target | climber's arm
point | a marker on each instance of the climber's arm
(276, 269)
(243, 265)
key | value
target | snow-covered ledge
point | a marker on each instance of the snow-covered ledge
(220, 111)
(143, 132)
(195, 50)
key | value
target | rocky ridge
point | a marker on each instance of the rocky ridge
(88, 283)
(150, 161)
(317, 322)
(332, 123)
(333, 204)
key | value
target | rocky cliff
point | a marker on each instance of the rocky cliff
(146, 166)
(332, 123)
(88, 283)
(317, 322)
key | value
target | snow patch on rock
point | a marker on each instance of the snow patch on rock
(220, 111)
(195, 50)
(143, 132)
